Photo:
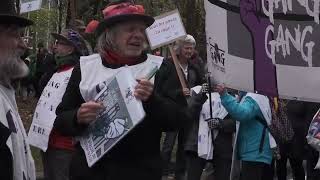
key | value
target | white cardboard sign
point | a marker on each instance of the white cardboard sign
(30, 5)
(166, 29)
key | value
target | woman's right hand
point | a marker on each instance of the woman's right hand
(87, 113)
(220, 88)
(186, 91)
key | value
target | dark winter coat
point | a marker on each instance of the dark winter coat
(300, 114)
(137, 155)
(190, 132)
(6, 166)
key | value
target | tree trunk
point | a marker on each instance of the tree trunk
(18, 6)
(96, 7)
(73, 14)
(60, 11)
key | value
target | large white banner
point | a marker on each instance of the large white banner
(270, 47)
(30, 5)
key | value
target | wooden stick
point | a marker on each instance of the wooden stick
(210, 98)
(178, 69)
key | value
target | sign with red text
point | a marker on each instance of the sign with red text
(270, 47)
(166, 29)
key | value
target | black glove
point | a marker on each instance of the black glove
(214, 123)
(205, 88)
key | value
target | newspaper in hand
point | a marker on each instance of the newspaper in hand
(121, 113)
(314, 132)
(313, 136)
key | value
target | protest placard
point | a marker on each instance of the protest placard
(167, 29)
(30, 5)
(122, 112)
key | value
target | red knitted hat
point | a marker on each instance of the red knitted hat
(92, 26)
(122, 12)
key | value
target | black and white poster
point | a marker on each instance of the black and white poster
(121, 113)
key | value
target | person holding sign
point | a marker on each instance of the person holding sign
(121, 42)
(16, 162)
(185, 49)
(57, 148)
(254, 144)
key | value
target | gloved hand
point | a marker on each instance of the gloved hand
(205, 88)
(214, 123)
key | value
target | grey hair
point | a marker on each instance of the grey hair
(187, 40)
(106, 40)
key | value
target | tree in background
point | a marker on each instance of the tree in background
(50, 18)
(62, 13)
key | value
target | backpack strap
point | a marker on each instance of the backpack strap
(262, 139)
(263, 121)
(265, 127)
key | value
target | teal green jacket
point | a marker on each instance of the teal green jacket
(250, 130)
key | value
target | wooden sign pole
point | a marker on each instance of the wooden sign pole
(178, 69)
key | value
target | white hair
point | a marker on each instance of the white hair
(190, 39)
(187, 40)
(106, 40)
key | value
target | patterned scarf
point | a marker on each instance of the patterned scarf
(68, 60)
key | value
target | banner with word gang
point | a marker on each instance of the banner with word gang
(271, 47)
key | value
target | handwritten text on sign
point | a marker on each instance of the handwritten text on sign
(30, 5)
(166, 29)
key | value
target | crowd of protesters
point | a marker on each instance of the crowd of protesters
(239, 145)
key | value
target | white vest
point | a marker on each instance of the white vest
(45, 113)
(94, 75)
(23, 164)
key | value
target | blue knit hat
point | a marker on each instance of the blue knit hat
(72, 37)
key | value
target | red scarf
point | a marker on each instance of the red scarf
(64, 68)
(114, 59)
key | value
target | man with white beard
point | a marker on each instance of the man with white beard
(16, 162)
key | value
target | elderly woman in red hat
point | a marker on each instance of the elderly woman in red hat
(122, 42)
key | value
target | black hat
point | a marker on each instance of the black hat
(8, 15)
